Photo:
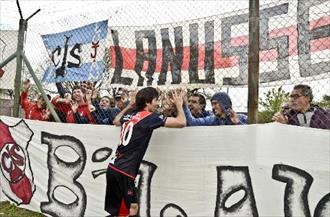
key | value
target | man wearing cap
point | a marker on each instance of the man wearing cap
(223, 114)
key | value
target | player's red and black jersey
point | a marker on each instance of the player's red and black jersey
(134, 140)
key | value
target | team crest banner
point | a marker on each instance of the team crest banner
(76, 55)
(251, 170)
(294, 45)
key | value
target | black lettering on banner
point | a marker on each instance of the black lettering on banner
(305, 36)
(60, 71)
(100, 155)
(241, 51)
(230, 181)
(146, 172)
(76, 56)
(323, 207)
(281, 44)
(298, 183)
(174, 207)
(58, 51)
(168, 56)
(95, 45)
(141, 56)
(71, 170)
(193, 62)
(117, 79)
(209, 52)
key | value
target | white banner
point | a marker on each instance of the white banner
(254, 170)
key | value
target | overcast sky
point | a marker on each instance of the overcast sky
(50, 10)
(129, 12)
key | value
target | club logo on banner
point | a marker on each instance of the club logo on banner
(77, 54)
(16, 177)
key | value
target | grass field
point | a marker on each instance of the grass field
(10, 210)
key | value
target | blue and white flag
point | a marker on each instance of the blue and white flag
(77, 54)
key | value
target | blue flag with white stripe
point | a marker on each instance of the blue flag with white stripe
(77, 54)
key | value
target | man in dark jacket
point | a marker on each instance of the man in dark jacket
(197, 104)
(302, 112)
(103, 113)
(223, 114)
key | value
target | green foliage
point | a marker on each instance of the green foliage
(10, 210)
(265, 117)
(274, 99)
(325, 102)
(272, 103)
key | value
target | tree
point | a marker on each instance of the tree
(272, 103)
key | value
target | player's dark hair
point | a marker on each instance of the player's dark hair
(144, 96)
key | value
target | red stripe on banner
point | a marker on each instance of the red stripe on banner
(129, 54)
(323, 21)
(1, 72)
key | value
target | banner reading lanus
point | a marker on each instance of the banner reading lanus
(294, 46)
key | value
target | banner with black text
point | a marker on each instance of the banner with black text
(206, 51)
(254, 170)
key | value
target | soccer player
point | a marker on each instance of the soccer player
(134, 140)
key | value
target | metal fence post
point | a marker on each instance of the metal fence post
(19, 61)
(10, 58)
(253, 61)
(36, 80)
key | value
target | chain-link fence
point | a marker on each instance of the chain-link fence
(191, 45)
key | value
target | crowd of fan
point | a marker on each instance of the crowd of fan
(83, 105)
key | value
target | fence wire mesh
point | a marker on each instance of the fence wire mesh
(194, 45)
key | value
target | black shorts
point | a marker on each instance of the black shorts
(120, 193)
